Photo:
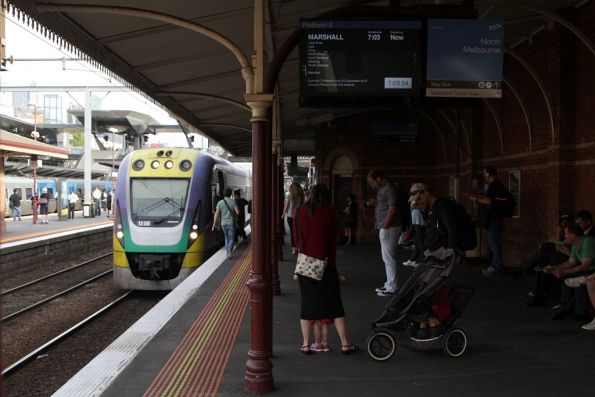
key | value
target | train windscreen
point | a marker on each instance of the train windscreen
(158, 202)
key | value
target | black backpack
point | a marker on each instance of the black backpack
(468, 238)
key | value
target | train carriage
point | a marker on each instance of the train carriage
(164, 212)
(24, 187)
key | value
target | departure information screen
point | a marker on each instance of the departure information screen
(465, 58)
(358, 59)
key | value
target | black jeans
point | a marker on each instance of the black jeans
(419, 246)
(546, 255)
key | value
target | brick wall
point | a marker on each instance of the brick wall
(557, 170)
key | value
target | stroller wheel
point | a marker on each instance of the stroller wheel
(454, 342)
(381, 345)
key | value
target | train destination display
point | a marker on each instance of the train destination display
(358, 59)
(465, 58)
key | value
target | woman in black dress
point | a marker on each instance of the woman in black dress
(315, 230)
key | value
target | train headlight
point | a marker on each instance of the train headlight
(193, 235)
(119, 232)
(185, 165)
(194, 227)
(138, 165)
(154, 164)
(169, 164)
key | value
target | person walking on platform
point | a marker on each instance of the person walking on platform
(293, 201)
(241, 203)
(350, 212)
(97, 200)
(227, 211)
(110, 202)
(389, 228)
(315, 229)
(44, 200)
(14, 202)
(73, 198)
(104, 199)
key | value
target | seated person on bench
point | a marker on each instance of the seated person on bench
(550, 253)
(574, 302)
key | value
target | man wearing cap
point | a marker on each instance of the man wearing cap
(389, 226)
(443, 231)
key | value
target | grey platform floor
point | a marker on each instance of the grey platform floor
(513, 350)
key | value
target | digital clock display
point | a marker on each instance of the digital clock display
(358, 59)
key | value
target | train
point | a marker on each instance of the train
(24, 187)
(163, 214)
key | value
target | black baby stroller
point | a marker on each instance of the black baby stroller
(411, 305)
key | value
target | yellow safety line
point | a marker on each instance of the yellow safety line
(195, 353)
(201, 333)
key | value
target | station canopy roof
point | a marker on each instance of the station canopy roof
(16, 145)
(200, 81)
(117, 121)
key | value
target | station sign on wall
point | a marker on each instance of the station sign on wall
(464, 58)
(358, 59)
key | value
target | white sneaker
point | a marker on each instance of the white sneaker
(575, 282)
(590, 326)
(407, 263)
(381, 289)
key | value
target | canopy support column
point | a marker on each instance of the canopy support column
(259, 375)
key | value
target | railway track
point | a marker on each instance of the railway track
(63, 292)
(22, 361)
(31, 294)
(43, 278)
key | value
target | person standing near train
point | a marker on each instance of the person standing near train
(97, 200)
(44, 200)
(15, 205)
(241, 203)
(227, 211)
(111, 198)
(72, 200)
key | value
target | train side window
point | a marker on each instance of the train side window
(214, 190)
(222, 183)
(214, 197)
(28, 193)
(19, 192)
